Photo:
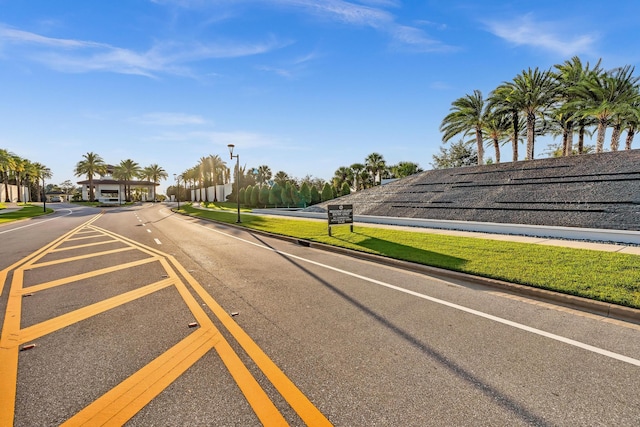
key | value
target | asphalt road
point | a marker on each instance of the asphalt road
(140, 316)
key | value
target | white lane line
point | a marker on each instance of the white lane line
(158, 242)
(148, 231)
(516, 325)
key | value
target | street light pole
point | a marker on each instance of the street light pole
(177, 178)
(237, 156)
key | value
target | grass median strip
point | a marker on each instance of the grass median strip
(603, 276)
(27, 211)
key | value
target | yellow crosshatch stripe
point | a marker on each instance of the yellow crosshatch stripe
(79, 257)
(44, 328)
(93, 236)
(71, 279)
(87, 245)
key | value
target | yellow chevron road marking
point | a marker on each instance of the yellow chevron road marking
(126, 399)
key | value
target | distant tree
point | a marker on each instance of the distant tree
(247, 195)
(264, 174)
(275, 195)
(91, 165)
(126, 171)
(345, 190)
(315, 195)
(458, 154)
(281, 178)
(327, 192)
(404, 169)
(305, 194)
(6, 165)
(263, 196)
(285, 195)
(375, 164)
(242, 196)
(255, 196)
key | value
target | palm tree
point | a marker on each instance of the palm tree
(375, 164)
(358, 171)
(41, 173)
(264, 174)
(90, 165)
(19, 165)
(341, 175)
(154, 173)
(404, 169)
(496, 130)
(30, 178)
(504, 101)
(568, 75)
(632, 122)
(536, 92)
(603, 95)
(466, 117)
(281, 178)
(126, 171)
(7, 164)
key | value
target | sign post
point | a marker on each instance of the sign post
(340, 215)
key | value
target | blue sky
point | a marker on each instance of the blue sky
(302, 86)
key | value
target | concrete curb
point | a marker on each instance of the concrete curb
(601, 308)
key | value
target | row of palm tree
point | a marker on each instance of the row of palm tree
(93, 165)
(22, 172)
(212, 170)
(370, 173)
(569, 99)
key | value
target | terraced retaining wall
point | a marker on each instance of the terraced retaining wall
(587, 191)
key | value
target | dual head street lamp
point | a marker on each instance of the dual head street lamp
(237, 156)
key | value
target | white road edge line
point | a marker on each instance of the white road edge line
(36, 223)
(516, 325)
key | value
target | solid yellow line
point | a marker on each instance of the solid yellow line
(52, 325)
(291, 393)
(70, 279)
(262, 405)
(79, 257)
(9, 376)
(93, 236)
(9, 342)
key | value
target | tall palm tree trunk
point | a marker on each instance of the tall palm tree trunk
(496, 147)
(629, 140)
(531, 132)
(581, 140)
(602, 129)
(514, 137)
(615, 137)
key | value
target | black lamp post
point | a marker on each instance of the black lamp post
(177, 178)
(237, 156)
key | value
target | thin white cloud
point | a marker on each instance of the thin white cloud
(169, 119)
(365, 13)
(78, 56)
(526, 31)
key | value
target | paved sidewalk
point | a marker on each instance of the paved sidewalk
(576, 244)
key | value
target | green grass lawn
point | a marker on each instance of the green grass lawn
(603, 276)
(27, 211)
